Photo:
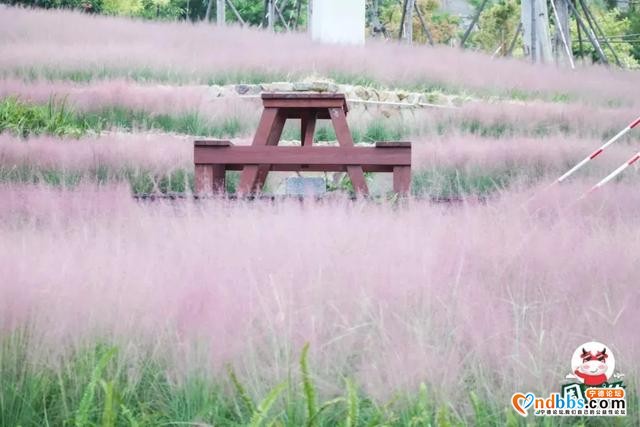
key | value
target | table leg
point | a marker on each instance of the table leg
(273, 139)
(401, 180)
(339, 121)
(307, 128)
(268, 133)
(218, 179)
(204, 179)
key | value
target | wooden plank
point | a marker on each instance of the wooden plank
(305, 103)
(212, 143)
(305, 100)
(315, 168)
(392, 144)
(273, 155)
(402, 180)
(274, 137)
(276, 130)
(218, 173)
(302, 95)
(250, 173)
(307, 128)
(299, 113)
(204, 179)
(339, 121)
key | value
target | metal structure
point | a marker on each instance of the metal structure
(535, 23)
(535, 26)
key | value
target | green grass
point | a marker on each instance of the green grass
(98, 385)
(53, 118)
(458, 183)
(56, 118)
(190, 123)
(141, 181)
(255, 76)
(436, 182)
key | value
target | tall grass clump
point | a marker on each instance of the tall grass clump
(53, 118)
(201, 110)
(448, 166)
(99, 386)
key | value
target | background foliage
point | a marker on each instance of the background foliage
(494, 33)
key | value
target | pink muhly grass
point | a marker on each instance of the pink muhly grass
(549, 155)
(70, 41)
(162, 154)
(152, 98)
(150, 151)
(520, 118)
(394, 296)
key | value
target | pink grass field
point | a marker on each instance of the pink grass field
(492, 295)
(162, 153)
(501, 292)
(522, 118)
(67, 41)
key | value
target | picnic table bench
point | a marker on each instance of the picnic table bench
(213, 158)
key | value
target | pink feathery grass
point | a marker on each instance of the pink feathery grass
(519, 118)
(394, 296)
(162, 154)
(150, 151)
(69, 41)
(151, 98)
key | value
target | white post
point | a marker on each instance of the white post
(271, 11)
(535, 30)
(542, 32)
(408, 23)
(220, 12)
(338, 21)
(563, 37)
(525, 20)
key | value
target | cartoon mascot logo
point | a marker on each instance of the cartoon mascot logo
(592, 364)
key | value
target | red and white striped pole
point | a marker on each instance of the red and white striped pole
(596, 153)
(615, 173)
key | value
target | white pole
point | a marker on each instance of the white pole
(599, 150)
(564, 39)
(615, 173)
(220, 12)
(271, 11)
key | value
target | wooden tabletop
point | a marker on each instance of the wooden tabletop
(305, 100)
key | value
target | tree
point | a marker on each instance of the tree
(443, 26)
(614, 25)
(497, 27)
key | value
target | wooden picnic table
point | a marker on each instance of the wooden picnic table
(214, 157)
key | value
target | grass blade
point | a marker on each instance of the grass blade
(307, 385)
(86, 404)
(262, 410)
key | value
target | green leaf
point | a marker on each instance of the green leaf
(262, 410)
(353, 405)
(240, 390)
(86, 403)
(307, 385)
(110, 412)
